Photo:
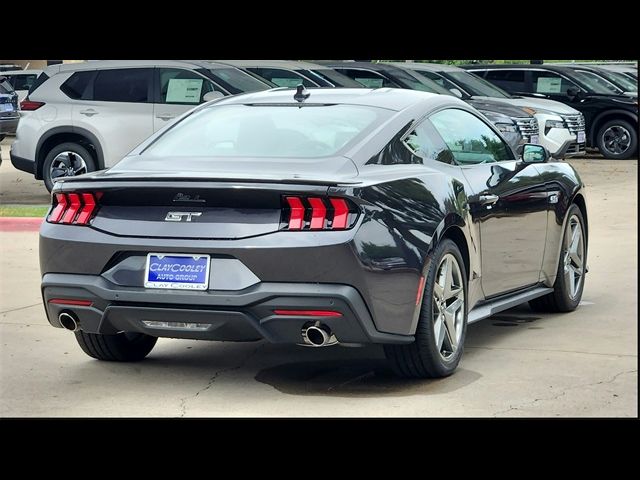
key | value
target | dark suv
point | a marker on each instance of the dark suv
(9, 115)
(611, 118)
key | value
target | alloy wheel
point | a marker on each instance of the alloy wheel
(67, 164)
(448, 306)
(616, 139)
(573, 256)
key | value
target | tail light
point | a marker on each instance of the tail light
(74, 208)
(29, 105)
(318, 213)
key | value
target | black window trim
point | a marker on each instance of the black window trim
(157, 94)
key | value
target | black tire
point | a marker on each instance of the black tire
(560, 299)
(76, 148)
(122, 347)
(422, 358)
(632, 149)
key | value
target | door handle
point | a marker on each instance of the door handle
(89, 112)
(488, 199)
(165, 116)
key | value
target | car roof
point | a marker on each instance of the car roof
(390, 98)
(430, 67)
(290, 64)
(21, 72)
(99, 64)
(378, 67)
(523, 66)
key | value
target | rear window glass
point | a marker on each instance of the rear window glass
(22, 82)
(77, 85)
(311, 131)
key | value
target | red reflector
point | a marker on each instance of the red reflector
(58, 210)
(420, 289)
(28, 105)
(341, 213)
(296, 219)
(70, 301)
(309, 313)
(87, 210)
(318, 213)
(74, 207)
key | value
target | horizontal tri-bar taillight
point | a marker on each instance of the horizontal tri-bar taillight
(74, 208)
(318, 213)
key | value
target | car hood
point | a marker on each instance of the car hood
(325, 170)
(539, 104)
(497, 106)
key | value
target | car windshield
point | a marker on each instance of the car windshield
(475, 85)
(235, 80)
(267, 130)
(621, 80)
(595, 83)
(415, 83)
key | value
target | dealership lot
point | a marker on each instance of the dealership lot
(518, 363)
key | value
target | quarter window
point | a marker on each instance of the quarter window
(76, 86)
(470, 140)
(130, 85)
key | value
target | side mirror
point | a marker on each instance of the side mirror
(573, 92)
(456, 92)
(212, 96)
(533, 153)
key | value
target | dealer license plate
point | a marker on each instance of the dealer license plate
(534, 139)
(581, 137)
(177, 271)
(6, 107)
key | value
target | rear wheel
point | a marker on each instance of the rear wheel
(618, 139)
(121, 347)
(569, 284)
(441, 329)
(66, 160)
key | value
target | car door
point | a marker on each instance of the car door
(178, 90)
(117, 109)
(508, 201)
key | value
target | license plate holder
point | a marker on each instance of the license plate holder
(177, 271)
(582, 138)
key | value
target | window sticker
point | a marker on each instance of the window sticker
(549, 85)
(184, 90)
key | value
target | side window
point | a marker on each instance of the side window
(510, 80)
(77, 86)
(182, 87)
(130, 85)
(440, 80)
(549, 83)
(22, 82)
(282, 77)
(367, 78)
(425, 142)
(470, 140)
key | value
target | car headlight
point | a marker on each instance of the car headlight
(506, 128)
(549, 124)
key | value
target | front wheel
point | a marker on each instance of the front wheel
(442, 326)
(121, 347)
(66, 160)
(618, 140)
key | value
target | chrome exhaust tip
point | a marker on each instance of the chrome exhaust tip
(69, 321)
(318, 335)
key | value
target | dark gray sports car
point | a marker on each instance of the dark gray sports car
(339, 216)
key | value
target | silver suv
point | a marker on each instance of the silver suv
(87, 116)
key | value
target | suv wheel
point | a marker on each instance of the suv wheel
(617, 139)
(66, 160)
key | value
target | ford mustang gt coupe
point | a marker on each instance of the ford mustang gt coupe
(324, 217)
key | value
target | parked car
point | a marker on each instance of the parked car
(561, 129)
(284, 73)
(9, 115)
(627, 70)
(9, 66)
(611, 118)
(21, 81)
(97, 111)
(621, 82)
(517, 125)
(423, 217)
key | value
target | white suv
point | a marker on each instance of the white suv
(87, 116)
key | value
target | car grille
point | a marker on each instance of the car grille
(575, 123)
(528, 126)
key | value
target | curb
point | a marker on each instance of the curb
(20, 224)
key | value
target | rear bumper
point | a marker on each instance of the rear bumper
(8, 125)
(23, 164)
(241, 315)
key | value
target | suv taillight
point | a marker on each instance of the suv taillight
(28, 105)
(74, 208)
(318, 213)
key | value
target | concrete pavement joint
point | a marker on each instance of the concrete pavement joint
(183, 401)
(21, 308)
(554, 350)
(562, 393)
